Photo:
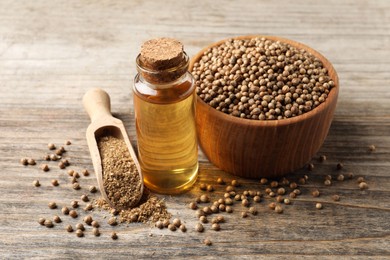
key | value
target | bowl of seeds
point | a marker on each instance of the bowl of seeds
(264, 105)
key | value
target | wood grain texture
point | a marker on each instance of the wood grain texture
(255, 148)
(52, 52)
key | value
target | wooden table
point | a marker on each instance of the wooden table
(51, 52)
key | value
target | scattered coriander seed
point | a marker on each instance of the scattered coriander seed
(310, 166)
(76, 186)
(92, 189)
(176, 222)
(88, 220)
(199, 227)
(96, 232)
(268, 190)
(159, 224)
(216, 227)
(302, 181)
(220, 181)
(114, 236)
(322, 158)
(328, 177)
(134, 218)
(207, 210)
(85, 172)
(36, 183)
(228, 201)
(306, 177)
(256, 198)
(51, 146)
(200, 213)
(244, 214)
(197, 200)
(183, 228)
(46, 157)
(297, 191)
(62, 149)
(235, 183)
(203, 219)
(222, 207)
(112, 221)
(229, 188)
(79, 233)
(272, 205)
(336, 197)
(80, 226)
(44, 167)
(73, 213)
(279, 199)
(114, 212)
(245, 203)
(293, 185)
(193, 205)
(58, 152)
(340, 177)
(74, 204)
(61, 165)
(315, 193)
(31, 161)
(203, 186)
(207, 242)
(281, 191)
(172, 227)
(327, 182)
(263, 181)
(293, 195)
(220, 219)
(363, 185)
(166, 222)
(76, 175)
(67, 142)
(339, 166)
(349, 175)
(57, 219)
(69, 228)
(214, 209)
(229, 209)
(285, 181)
(360, 179)
(53, 157)
(371, 148)
(24, 161)
(272, 194)
(52, 205)
(274, 184)
(253, 210)
(70, 172)
(278, 209)
(210, 188)
(88, 207)
(318, 205)
(287, 201)
(65, 162)
(54, 182)
(41, 221)
(84, 198)
(226, 195)
(65, 211)
(48, 223)
(95, 224)
(204, 198)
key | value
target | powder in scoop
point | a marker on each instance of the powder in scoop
(121, 179)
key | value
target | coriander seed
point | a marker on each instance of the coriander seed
(199, 227)
(183, 228)
(54, 182)
(297, 191)
(253, 210)
(220, 181)
(172, 227)
(200, 213)
(80, 226)
(256, 198)
(287, 201)
(76, 186)
(336, 197)
(73, 213)
(278, 209)
(176, 222)
(216, 227)
(54, 157)
(318, 206)
(340, 177)
(114, 236)
(279, 199)
(44, 167)
(281, 191)
(210, 188)
(48, 223)
(339, 166)
(360, 179)
(229, 209)
(166, 222)
(203, 219)
(57, 219)
(65, 211)
(363, 185)
(159, 224)
(272, 205)
(245, 203)
(274, 184)
(203, 186)
(293, 185)
(94, 223)
(112, 221)
(31, 161)
(229, 188)
(69, 228)
(88, 207)
(207, 242)
(74, 204)
(244, 214)
(51, 146)
(85, 172)
(24, 161)
(92, 189)
(193, 205)
(96, 232)
(315, 193)
(41, 221)
(70, 173)
(114, 212)
(207, 210)
(371, 148)
(79, 233)
(272, 194)
(293, 195)
(322, 158)
(327, 183)
(36, 183)
(263, 181)
(61, 165)
(84, 198)
(52, 205)
(228, 201)
(204, 198)
(88, 220)
(310, 166)
(235, 183)
(302, 181)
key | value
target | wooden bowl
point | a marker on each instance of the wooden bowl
(254, 148)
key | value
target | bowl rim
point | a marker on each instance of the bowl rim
(333, 93)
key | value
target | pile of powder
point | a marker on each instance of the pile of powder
(121, 179)
(150, 209)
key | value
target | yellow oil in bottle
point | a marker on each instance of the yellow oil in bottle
(166, 133)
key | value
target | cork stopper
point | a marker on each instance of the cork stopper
(162, 53)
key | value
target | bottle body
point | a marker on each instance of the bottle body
(166, 133)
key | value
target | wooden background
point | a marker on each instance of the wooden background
(51, 52)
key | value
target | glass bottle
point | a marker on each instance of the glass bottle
(164, 103)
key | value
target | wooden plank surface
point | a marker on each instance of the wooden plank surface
(51, 52)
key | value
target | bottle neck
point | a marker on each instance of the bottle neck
(165, 78)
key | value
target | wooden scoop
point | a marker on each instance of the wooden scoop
(97, 104)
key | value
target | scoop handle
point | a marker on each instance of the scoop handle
(97, 104)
